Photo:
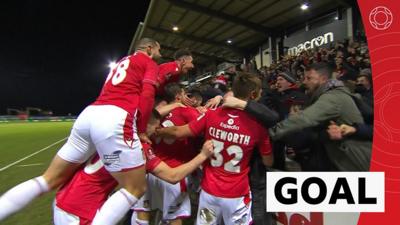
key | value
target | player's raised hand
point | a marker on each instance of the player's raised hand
(208, 148)
(214, 102)
(187, 101)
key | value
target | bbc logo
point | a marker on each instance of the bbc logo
(325, 192)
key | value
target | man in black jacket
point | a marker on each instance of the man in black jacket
(364, 86)
(286, 96)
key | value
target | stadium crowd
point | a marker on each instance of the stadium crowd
(313, 110)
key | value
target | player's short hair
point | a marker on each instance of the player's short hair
(146, 42)
(155, 115)
(196, 94)
(182, 53)
(171, 90)
(245, 83)
(322, 68)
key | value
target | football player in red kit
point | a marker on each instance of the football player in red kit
(173, 199)
(78, 201)
(108, 126)
(170, 72)
(225, 187)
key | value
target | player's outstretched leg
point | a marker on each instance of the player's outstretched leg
(133, 184)
(21, 195)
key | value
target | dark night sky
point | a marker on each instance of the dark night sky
(55, 54)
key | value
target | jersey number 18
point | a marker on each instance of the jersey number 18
(118, 74)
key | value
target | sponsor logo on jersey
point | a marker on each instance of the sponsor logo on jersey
(112, 158)
(229, 125)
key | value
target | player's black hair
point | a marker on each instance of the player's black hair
(182, 53)
(196, 94)
(171, 90)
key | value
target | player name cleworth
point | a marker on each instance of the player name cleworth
(229, 136)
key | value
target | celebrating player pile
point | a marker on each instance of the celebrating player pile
(225, 187)
(113, 138)
(78, 201)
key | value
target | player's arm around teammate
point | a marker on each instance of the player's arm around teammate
(184, 131)
(174, 175)
(175, 131)
(165, 109)
(261, 112)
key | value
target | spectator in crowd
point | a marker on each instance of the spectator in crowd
(330, 100)
(364, 86)
(282, 100)
(221, 81)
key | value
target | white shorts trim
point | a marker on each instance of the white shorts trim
(61, 217)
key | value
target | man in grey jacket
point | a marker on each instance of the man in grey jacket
(329, 101)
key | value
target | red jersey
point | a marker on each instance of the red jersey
(125, 82)
(90, 187)
(177, 152)
(168, 73)
(235, 134)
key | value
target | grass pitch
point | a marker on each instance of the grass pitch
(17, 141)
(21, 140)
